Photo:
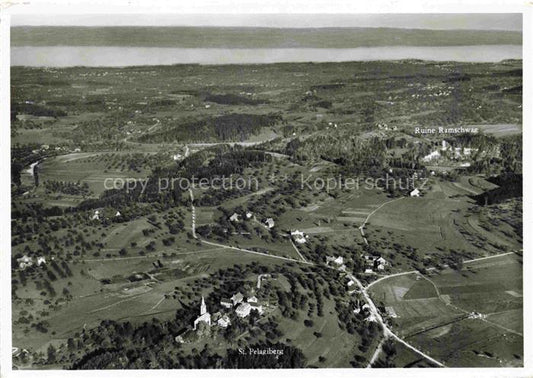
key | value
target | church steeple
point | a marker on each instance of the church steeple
(203, 307)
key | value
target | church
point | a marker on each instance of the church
(205, 317)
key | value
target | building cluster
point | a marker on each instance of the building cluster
(26, 261)
(384, 126)
(446, 150)
(364, 308)
(240, 305)
(236, 217)
(337, 262)
(98, 214)
(374, 264)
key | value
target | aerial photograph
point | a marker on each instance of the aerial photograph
(319, 191)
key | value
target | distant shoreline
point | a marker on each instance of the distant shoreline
(254, 37)
(107, 56)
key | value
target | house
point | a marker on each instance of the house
(380, 263)
(41, 260)
(249, 215)
(243, 310)
(252, 299)
(269, 223)
(117, 214)
(369, 271)
(237, 298)
(224, 321)
(25, 262)
(336, 260)
(205, 317)
(299, 236)
(235, 217)
(96, 215)
(350, 283)
(227, 303)
(415, 193)
(177, 157)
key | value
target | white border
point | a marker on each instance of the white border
(19, 7)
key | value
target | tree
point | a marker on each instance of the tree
(51, 354)
(70, 344)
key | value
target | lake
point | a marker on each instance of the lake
(109, 56)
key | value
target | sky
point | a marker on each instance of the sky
(472, 21)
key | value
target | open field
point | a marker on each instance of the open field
(334, 344)
(134, 301)
(433, 319)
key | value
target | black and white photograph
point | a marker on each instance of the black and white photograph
(264, 191)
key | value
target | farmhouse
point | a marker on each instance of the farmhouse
(237, 298)
(235, 217)
(224, 321)
(299, 236)
(269, 222)
(339, 260)
(249, 214)
(380, 263)
(41, 260)
(252, 299)
(25, 262)
(415, 193)
(96, 215)
(243, 310)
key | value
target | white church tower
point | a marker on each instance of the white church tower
(204, 317)
(203, 307)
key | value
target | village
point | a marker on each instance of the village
(238, 306)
